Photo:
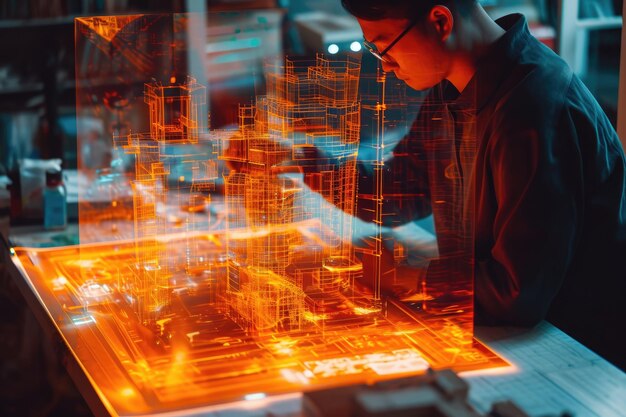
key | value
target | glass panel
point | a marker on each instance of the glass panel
(215, 261)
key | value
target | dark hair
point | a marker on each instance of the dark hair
(382, 9)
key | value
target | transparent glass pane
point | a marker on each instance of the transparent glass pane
(289, 251)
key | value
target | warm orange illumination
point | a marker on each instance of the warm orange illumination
(226, 270)
(202, 350)
(127, 392)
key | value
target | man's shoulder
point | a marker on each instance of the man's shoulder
(537, 88)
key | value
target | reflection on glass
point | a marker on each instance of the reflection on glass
(215, 263)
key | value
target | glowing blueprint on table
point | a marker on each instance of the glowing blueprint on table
(218, 263)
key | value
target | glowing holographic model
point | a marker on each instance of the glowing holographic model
(226, 268)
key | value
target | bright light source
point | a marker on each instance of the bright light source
(82, 320)
(355, 46)
(333, 48)
(255, 396)
(127, 392)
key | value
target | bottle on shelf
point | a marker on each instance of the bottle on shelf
(55, 201)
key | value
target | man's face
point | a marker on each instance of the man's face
(419, 57)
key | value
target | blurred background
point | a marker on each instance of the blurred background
(38, 111)
(37, 82)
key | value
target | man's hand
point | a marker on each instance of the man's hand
(240, 153)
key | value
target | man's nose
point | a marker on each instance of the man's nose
(389, 65)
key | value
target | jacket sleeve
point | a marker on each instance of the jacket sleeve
(535, 165)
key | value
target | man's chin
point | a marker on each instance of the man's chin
(417, 85)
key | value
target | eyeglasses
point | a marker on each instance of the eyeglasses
(382, 55)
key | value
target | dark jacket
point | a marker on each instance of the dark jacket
(526, 162)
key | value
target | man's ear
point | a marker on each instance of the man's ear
(442, 21)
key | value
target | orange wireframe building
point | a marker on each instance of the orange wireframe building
(177, 119)
(279, 277)
(241, 275)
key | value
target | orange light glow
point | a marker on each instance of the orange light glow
(227, 268)
(127, 392)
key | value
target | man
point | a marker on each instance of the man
(545, 171)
